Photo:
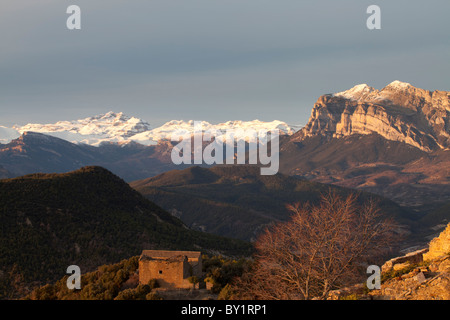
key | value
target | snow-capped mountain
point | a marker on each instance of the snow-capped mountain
(119, 128)
(181, 127)
(365, 93)
(397, 112)
(109, 127)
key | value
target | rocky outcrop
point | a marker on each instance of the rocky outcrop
(425, 276)
(420, 275)
(439, 246)
(412, 258)
(398, 112)
(427, 282)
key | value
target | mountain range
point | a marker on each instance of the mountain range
(119, 128)
(390, 144)
(393, 142)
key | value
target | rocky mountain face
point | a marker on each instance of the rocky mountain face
(393, 142)
(398, 112)
(439, 246)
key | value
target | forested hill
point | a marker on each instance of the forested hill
(88, 217)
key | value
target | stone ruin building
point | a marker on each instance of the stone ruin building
(171, 269)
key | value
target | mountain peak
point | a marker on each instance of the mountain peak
(109, 118)
(399, 85)
(109, 127)
(364, 92)
(112, 116)
(357, 92)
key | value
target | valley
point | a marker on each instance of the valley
(236, 201)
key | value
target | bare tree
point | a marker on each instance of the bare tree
(321, 248)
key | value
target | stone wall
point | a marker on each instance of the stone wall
(170, 274)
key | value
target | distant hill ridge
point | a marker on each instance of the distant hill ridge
(237, 201)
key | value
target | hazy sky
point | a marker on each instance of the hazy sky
(213, 60)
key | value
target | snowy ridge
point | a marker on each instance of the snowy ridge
(363, 92)
(118, 128)
(110, 127)
(356, 93)
(180, 127)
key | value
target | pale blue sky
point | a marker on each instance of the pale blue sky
(213, 60)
